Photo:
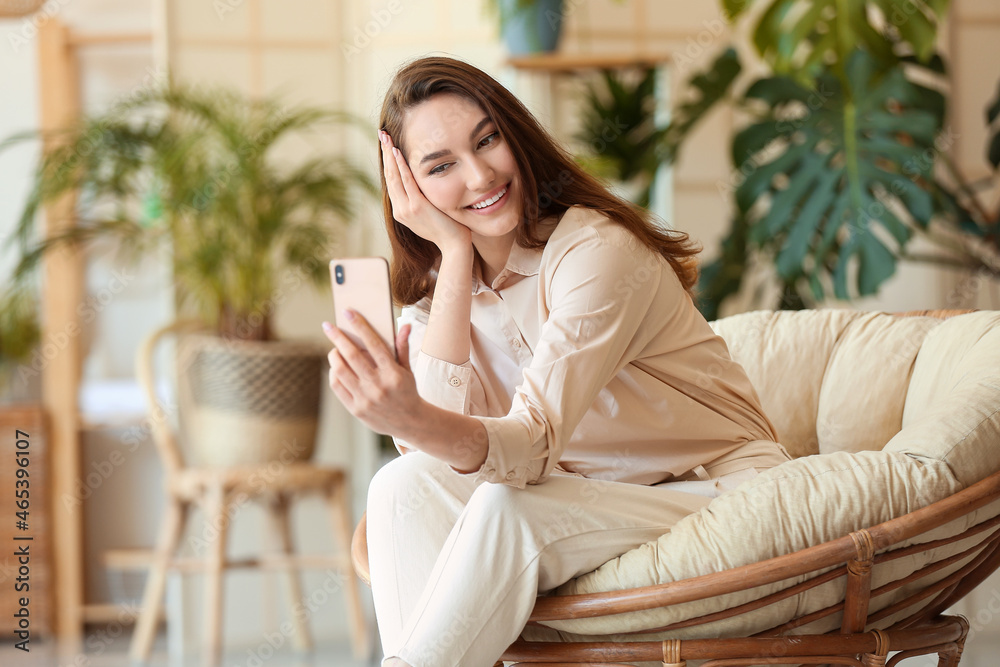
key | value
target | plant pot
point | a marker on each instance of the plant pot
(532, 29)
(249, 402)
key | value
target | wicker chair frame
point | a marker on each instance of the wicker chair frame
(854, 556)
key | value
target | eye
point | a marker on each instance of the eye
(491, 137)
(439, 169)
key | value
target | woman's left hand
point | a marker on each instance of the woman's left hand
(371, 384)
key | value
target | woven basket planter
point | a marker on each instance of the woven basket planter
(249, 402)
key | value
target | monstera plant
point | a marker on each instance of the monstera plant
(834, 174)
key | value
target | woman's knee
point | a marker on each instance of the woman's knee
(496, 500)
(406, 483)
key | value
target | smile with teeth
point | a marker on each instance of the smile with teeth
(489, 202)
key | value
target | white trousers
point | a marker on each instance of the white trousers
(456, 566)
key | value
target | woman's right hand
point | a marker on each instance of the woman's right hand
(411, 207)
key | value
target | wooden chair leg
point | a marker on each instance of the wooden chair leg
(340, 509)
(951, 657)
(216, 506)
(171, 530)
(279, 509)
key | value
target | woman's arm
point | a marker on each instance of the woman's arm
(448, 335)
(382, 393)
(448, 330)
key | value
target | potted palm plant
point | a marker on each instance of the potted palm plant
(195, 171)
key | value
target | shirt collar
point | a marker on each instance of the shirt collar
(521, 263)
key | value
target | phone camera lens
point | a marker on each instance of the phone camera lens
(338, 273)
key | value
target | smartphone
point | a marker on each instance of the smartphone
(362, 284)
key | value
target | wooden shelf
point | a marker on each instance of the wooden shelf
(569, 62)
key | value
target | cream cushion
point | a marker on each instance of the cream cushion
(886, 414)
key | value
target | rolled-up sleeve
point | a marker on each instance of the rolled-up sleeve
(598, 287)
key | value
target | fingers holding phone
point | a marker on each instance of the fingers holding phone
(364, 372)
(369, 382)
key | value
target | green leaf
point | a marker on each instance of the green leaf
(791, 257)
(802, 180)
(753, 139)
(993, 151)
(876, 264)
(908, 18)
(768, 34)
(735, 8)
(761, 178)
(828, 174)
(993, 110)
(775, 90)
(724, 276)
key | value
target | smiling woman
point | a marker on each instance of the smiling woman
(550, 393)
(469, 173)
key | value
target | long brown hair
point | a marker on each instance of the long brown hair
(551, 180)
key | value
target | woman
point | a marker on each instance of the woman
(558, 397)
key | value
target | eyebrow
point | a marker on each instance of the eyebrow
(436, 154)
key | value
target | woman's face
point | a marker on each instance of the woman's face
(460, 161)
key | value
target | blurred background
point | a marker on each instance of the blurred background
(679, 105)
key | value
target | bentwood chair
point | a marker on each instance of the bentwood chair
(220, 493)
(851, 552)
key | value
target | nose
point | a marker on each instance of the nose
(481, 174)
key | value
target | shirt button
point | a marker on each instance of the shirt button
(454, 381)
(509, 476)
(516, 343)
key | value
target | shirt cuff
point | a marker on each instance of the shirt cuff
(443, 384)
(503, 466)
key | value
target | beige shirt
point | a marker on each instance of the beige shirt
(588, 357)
